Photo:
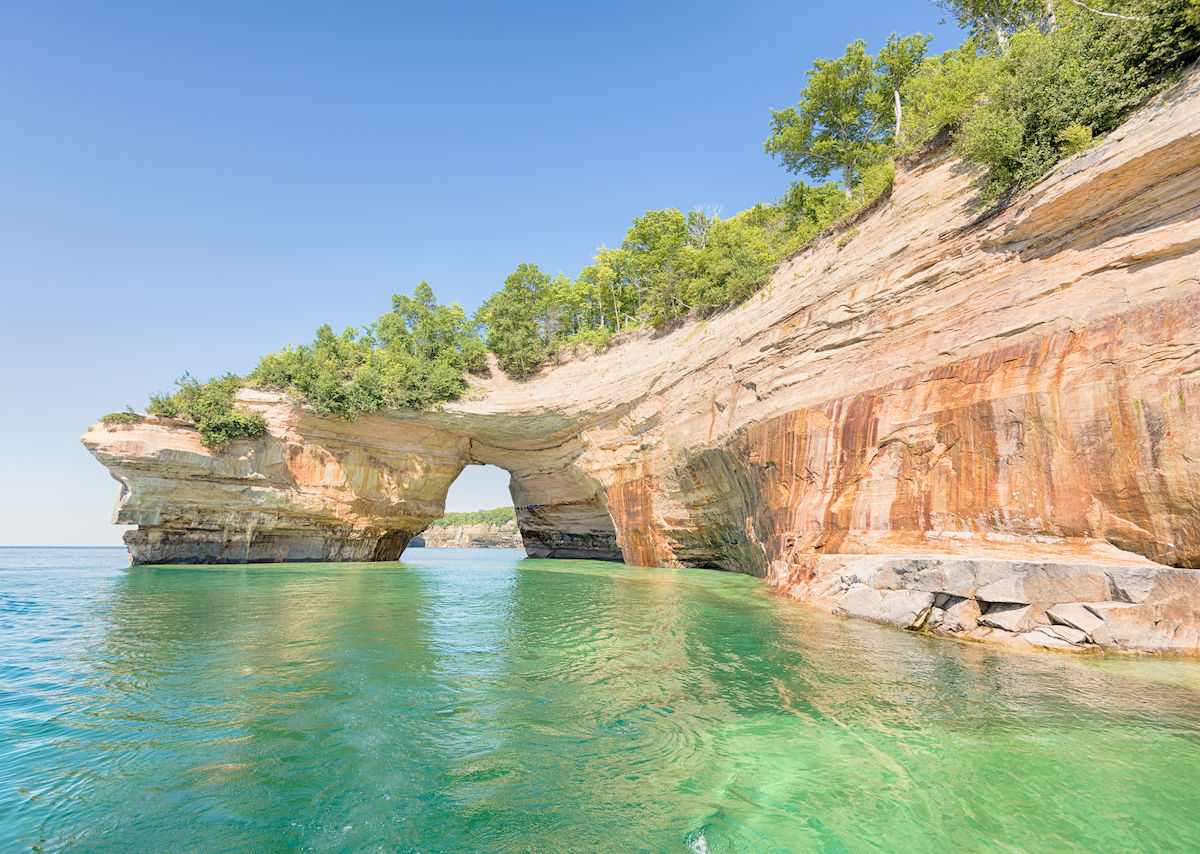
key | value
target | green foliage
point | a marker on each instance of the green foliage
(669, 265)
(657, 263)
(992, 136)
(1051, 82)
(736, 259)
(876, 180)
(519, 320)
(1074, 138)
(219, 428)
(126, 417)
(210, 406)
(809, 210)
(413, 357)
(499, 516)
(945, 91)
(583, 341)
(991, 22)
(848, 116)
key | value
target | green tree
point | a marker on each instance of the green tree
(992, 22)
(846, 114)
(514, 325)
(946, 90)
(606, 281)
(734, 262)
(895, 63)
(659, 263)
(808, 210)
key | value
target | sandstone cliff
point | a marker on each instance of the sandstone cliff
(1013, 401)
(481, 536)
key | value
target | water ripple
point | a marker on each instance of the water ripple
(468, 701)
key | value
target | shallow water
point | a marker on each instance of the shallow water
(473, 701)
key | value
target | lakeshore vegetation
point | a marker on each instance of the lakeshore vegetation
(1036, 81)
(499, 516)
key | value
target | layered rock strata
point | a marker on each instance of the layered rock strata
(919, 385)
(323, 489)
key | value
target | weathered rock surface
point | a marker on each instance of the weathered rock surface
(904, 609)
(482, 536)
(997, 412)
(1159, 614)
(321, 489)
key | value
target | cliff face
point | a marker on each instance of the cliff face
(481, 536)
(1018, 392)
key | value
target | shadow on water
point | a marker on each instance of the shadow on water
(475, 701)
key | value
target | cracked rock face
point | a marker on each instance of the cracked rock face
(1100, 612)
(998, 413)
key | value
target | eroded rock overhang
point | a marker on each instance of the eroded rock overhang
(919, 385)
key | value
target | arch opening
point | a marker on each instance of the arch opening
(479, 513)
(560, 511)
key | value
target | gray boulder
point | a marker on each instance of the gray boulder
(1075, 615)
(960, 615)
(901, 608)
(1013, 617)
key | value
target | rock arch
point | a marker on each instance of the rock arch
(322, 489)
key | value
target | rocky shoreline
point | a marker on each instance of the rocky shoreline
(1115, 607)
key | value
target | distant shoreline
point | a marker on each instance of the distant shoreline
(62, 547)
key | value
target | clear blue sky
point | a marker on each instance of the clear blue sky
(188, 185)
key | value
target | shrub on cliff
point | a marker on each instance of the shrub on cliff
(211, 407)
(126, 417)
(413, 357)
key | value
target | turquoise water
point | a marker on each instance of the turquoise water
(467, 701)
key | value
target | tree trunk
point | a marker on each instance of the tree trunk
(896, 138)
(1050, 21)
(1108, 14)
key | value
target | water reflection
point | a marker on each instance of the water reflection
(473, 701)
